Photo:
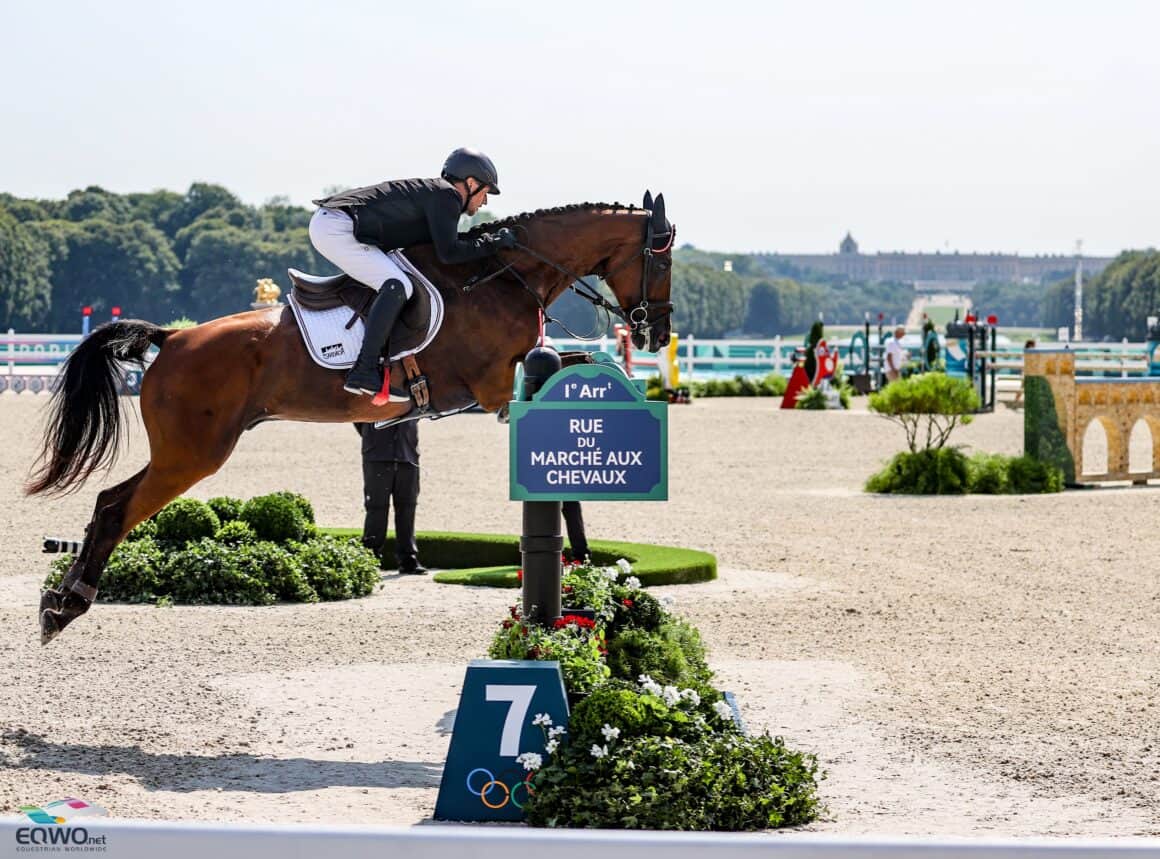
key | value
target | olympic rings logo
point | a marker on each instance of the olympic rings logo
(490, 788)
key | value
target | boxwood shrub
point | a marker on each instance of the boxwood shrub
(276, 517)
(185, 554)
(947, 471)
(227, 509)
(186, 519)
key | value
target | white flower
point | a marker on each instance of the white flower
(723, 710)
(611, 573)
(542, 719)
(671, 695)
(649, 686)
(531, 761)
(598, 752)
(625, 566)
(691, 696)
(610, 733)
(632, 582)
(557, 731)
(552, 746)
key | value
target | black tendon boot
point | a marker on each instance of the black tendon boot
(366, 376)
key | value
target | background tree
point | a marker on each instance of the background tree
(708, 303)
(102, 265)
(1118, 301)
(763, 315)
(95, 203)
(25, 268)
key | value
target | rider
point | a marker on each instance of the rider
(354, 228)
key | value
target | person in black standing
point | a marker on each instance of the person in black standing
(390, 459)
(577, 539)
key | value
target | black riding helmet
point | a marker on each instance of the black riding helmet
(463, 163)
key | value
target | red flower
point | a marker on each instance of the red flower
(519, 575)
(582, 622)
(567, 589)
(627, 603)
(507, 624)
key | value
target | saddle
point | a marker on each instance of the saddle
(315, 300)
(341, 290)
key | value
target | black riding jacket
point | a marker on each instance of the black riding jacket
(398, 443)
(408, 212)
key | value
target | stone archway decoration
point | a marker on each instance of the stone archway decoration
(1059, 408)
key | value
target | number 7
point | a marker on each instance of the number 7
(520, 698)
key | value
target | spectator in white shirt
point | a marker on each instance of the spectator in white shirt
(896, 356)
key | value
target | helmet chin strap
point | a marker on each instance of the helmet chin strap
(468, 194)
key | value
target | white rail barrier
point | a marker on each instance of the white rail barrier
(36, 354)
(130, 839)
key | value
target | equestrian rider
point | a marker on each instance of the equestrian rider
(355, 228)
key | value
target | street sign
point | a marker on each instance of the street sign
(589, 434)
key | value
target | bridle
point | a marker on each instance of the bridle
(639, 317)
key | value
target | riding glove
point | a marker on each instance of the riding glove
(504, 238)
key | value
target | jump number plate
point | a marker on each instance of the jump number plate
(493, 726)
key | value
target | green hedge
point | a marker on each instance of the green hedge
(267, 551)
(491, 560)
(770, 385)
(947, 471)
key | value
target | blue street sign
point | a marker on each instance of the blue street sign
(589, 434)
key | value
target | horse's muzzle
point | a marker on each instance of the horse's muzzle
(655, 337)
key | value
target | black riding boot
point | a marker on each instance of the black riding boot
(366, 376)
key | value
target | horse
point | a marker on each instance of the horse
(209, 383)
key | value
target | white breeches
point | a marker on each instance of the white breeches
(332, 234)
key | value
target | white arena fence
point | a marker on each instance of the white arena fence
(30, 362)
(139, 839)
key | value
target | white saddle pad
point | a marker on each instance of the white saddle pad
(334, 346)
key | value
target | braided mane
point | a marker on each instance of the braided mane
(525, 217)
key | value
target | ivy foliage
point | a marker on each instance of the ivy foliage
(650, 743)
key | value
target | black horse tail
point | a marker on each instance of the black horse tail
(85, 421)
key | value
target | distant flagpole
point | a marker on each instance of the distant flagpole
(1078, 290)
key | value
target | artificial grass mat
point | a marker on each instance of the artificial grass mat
(491, 560)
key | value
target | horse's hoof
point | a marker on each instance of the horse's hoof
(50, 600)
(49, 628)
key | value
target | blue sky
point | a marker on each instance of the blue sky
(1012, 126)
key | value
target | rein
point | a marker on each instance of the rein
(637, 317)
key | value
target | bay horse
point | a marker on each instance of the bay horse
(211, 382)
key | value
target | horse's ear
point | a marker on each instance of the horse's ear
(659, 223)
(647, 200)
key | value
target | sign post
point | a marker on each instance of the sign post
(541, 544)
